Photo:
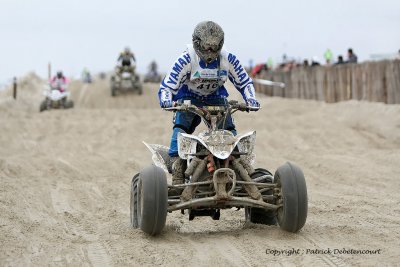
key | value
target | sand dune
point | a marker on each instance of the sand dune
(65, 181)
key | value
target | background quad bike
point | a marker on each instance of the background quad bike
(152, 78)
(135, 87)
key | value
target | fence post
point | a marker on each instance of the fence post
(15, 88)
(49, 71)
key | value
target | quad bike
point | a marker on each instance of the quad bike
(56, 97)
(126, 80)
(152, 77)
(86, 77)
(218, 174)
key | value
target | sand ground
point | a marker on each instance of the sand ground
(65, 183)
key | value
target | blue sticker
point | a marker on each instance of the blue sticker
(223, 73)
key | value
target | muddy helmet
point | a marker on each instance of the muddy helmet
(59, 74)
(208, 39)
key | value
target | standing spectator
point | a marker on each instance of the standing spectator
(398, 55)
(305, 63)
(328, 56)
(270, 63)
(284, 58)
(315, 61)
(258, 69)
(352, 58)
(251, 64)
(339, 60)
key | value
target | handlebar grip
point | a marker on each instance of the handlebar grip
(242, 107)
(169, 109)
(253, 108)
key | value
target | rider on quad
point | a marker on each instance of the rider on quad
(199, 75)
(56, 93)
(126, 59)
(153, 68)
(59, 82)
(152, 75)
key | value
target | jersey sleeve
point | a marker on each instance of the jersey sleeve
(240, 78)
(176, 76)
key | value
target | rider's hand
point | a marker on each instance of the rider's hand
(167, 104)
(166, 98)
(253, 103)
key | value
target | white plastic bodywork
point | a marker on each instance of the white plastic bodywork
(157, 157)
(55, 95)
(220, 143)
(126, 75)
(126, 81)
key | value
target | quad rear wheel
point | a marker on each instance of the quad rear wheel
(259, 215)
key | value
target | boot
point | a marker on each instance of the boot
(178, 176)
(178, 171)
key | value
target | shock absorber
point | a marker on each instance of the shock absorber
(210, 163)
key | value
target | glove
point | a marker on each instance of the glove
(165, 98)
(249, 96)
(252, 102)
(167, 104)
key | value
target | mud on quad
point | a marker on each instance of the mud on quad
(219, 174)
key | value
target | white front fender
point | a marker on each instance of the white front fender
(160, 155)
(219, 143)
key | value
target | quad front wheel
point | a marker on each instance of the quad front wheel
(113, 86)
(140, 89)
(149, 200)
(113, 91)
(43, 106)
(293, 198)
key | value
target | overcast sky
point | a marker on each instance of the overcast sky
(74, 34)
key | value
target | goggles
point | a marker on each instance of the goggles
(210, 48)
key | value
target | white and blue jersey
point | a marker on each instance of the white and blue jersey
(190, 77)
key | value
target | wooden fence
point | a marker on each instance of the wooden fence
(370, 81)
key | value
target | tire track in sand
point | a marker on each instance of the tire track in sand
(82, 92)
(221, 250)
(60, 196)
(97, 255)
(60, 200)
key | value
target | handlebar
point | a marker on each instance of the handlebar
(182, 107)
(212, 115)
(242, 106)
(233, 105)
